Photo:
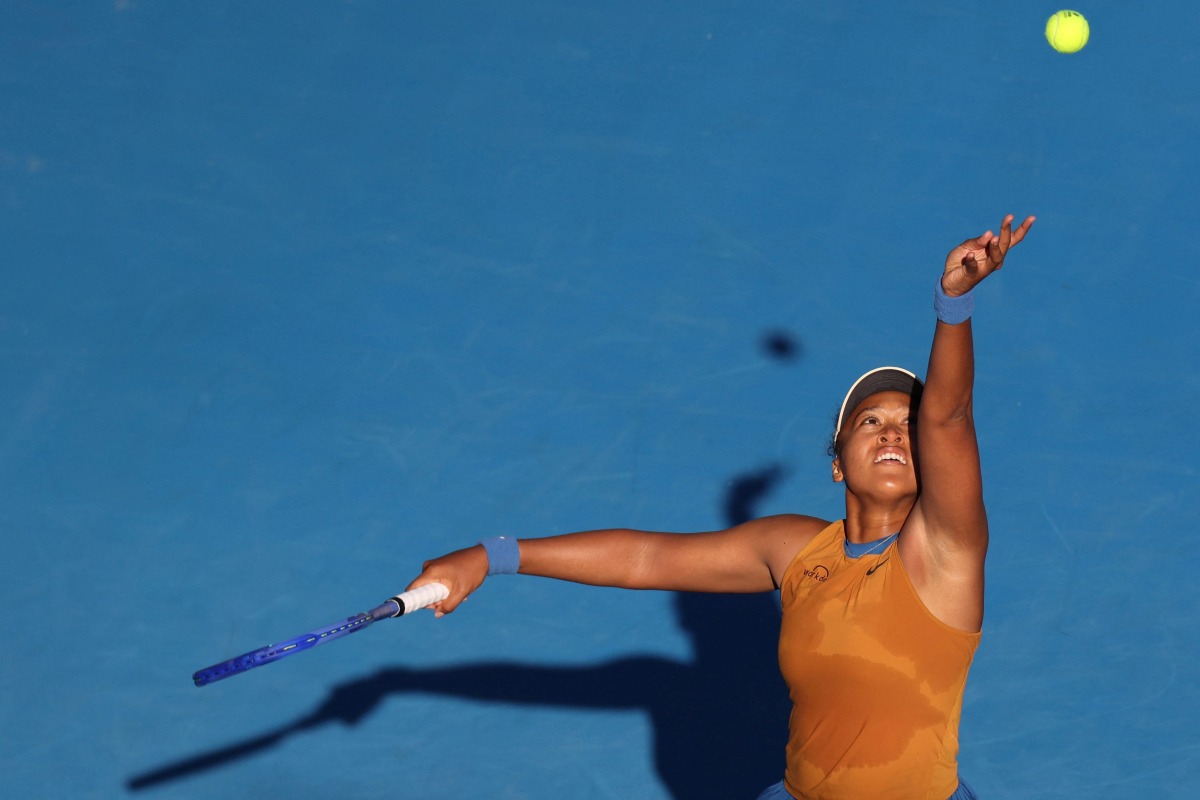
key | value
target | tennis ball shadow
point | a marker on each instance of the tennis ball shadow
(782, 346)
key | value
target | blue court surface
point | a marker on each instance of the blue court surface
(297, 295)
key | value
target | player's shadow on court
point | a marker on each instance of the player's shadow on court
(719, 720)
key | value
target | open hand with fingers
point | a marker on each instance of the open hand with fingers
(975, 259)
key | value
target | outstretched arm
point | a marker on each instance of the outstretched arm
(749, 557)
(949, 521)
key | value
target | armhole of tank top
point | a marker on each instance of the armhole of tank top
(916, 596)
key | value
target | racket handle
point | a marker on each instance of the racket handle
(412, 600)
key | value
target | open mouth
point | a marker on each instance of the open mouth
(891, 455)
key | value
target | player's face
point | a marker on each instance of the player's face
(878, 447)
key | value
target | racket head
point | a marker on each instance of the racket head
(403, 603)
(274, 652)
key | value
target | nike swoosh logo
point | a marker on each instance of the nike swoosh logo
(871, 571)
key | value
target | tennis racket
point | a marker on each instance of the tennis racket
(396, 606)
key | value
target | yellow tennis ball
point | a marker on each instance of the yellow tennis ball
(1067, 31)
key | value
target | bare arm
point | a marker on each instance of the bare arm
(949, 523)
(749, 557)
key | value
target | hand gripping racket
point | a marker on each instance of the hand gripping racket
(397, 606)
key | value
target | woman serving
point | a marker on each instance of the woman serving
(882, 610)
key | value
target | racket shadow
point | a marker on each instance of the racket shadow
(719, 720)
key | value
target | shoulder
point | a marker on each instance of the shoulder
(780, 537)
(788, 526)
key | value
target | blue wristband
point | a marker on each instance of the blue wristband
(504, 555)
(952, 310)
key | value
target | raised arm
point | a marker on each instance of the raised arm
(750, 557)
(949, 523)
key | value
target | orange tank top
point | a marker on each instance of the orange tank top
(876, 680)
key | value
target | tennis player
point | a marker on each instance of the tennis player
(882, 610)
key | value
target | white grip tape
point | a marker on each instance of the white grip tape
(421, 597)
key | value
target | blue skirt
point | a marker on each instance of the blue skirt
(777, 792)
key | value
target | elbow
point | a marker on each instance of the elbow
(640, 570)
(627, 560)
(947, 415)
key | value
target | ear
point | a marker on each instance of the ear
(838, 477)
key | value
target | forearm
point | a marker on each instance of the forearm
(950, 378)
(951, 481)
(616, 557)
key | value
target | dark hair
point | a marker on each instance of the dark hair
(833, 448)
